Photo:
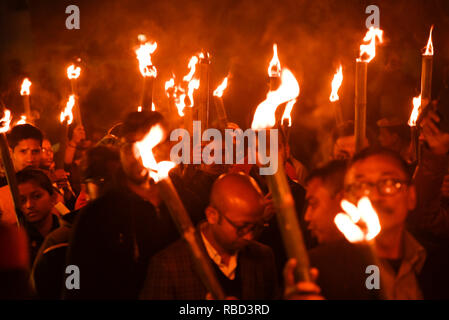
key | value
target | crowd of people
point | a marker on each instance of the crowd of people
(98, 212)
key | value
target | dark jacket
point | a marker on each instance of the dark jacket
(113, 240)
(171, 274)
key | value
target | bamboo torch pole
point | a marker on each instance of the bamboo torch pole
(8, 165)
(360, 104)
(203, 112)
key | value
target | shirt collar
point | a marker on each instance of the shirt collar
(228, 270)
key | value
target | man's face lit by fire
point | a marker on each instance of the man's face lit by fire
(27, 153)
(368, 177)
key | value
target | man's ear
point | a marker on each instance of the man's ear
(411, 195)
(212, 215)
(54, 198)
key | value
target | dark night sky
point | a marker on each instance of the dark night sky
(313, 38)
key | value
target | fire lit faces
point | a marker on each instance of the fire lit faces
(47, 154)
(27, 153)
(36, 202)
(322, 206)
(382, 179)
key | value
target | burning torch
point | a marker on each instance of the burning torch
(148, 71)
(25, 93)
(219, 105)
(367, 53)
(265, 118)
(8, 165)
(73, 73)
(159, 172)
(334, 98)
(66, 119)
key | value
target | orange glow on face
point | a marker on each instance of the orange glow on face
(368, 51)
(359, 223)
(67, 113)
(429, 47)
(5, 122)
(221, 88)
(336, 84)
(144, 149)
(72, 72)
(144, 53)
(265, 115)
(415, 112)
(274, 68)
(25, 88)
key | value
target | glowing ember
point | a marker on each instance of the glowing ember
(144, 149)
(23, 120)
(67, 113)
(429, 47)
(139, 109)
(359, 223)
(72, 72)
(336, 83)
(274, 68)
(415, 112)
(5, 121)
(265, 117)
(368, 51)
(287, 112)
(25, 88)
(144, 53)
(221, 88)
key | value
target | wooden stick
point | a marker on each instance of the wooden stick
(360, 104)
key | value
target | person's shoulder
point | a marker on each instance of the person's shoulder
(175, 250)
(257, 249)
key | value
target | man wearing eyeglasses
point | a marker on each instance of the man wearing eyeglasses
(244, 267)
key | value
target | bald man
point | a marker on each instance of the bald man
(244, 267)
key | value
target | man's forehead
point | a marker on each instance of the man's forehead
(376, 166)
(29, 144)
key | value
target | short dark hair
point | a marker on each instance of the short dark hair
(380, 151)
(101, 162)
(23, 132)
(37, 176)
(332, 175)
(137, 124)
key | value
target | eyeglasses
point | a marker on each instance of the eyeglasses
(385, 187)
(247, 228)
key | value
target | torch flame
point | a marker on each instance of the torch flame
(67, 113)
(265, 115)
(144, 53)
(415, 112)
(192, 66)
(144, 150)
(274, 68)
(349, 222)
(72, 72)
(23, 120)
(369, 50)
(221, 88)
(5, 121)
(25, 88)
(429, 48)
(288, 111)
(153, 107)
(336, 84)
(169, 85)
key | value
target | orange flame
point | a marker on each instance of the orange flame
(415, 112)
(144, 53)
(139, 109)
(25, 88)
(192, 66)
(144, 149)
(369, 50)
(265, 115)
(169, 85)
(153, 107)
(72, 72)
(287, 112)
(67, 113)
(5, 121)
(274, 68)
(336, 84)
(23, 120)
(429, 47)
(359, 223)
(221, 88)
